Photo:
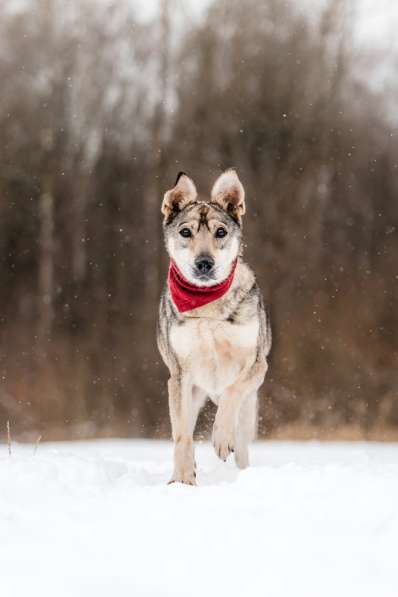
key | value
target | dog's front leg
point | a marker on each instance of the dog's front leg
(180, 403)
(227, 417)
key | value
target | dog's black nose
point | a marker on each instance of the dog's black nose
(204, 264)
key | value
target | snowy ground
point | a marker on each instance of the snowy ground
(97, 519)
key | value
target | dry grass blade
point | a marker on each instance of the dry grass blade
(8, 437)
(37, 443)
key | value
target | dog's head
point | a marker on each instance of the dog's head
(203, 237)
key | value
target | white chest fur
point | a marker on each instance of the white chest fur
(215, 352)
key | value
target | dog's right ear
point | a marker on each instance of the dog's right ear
(179, 196)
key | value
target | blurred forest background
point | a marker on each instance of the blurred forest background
(99, 109)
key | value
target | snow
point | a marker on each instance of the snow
(96, 519)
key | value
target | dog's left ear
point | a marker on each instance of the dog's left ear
(229, 193)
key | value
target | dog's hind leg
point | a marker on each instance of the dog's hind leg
(180, 403)
(246, 430)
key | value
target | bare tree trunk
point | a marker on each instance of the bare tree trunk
(46, 205)
(79, 257)
(154, 278)
(46, 261)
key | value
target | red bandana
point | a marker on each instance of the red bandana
(187, 296)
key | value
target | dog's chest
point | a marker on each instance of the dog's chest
(214, 352)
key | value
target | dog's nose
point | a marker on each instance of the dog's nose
(204, 264)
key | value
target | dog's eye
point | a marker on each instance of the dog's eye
(185, 232)
(221, 232)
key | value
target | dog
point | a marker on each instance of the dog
(214, 333)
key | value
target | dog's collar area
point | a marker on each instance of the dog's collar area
(187, 296)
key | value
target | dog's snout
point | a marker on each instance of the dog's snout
(204, 264)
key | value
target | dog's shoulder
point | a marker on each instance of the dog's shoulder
(244, 297)
(168, 318)
(250, 304)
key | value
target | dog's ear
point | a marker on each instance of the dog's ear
(179, 196)
(229, 193)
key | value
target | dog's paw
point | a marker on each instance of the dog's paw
(223, 440)
(185, 478)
